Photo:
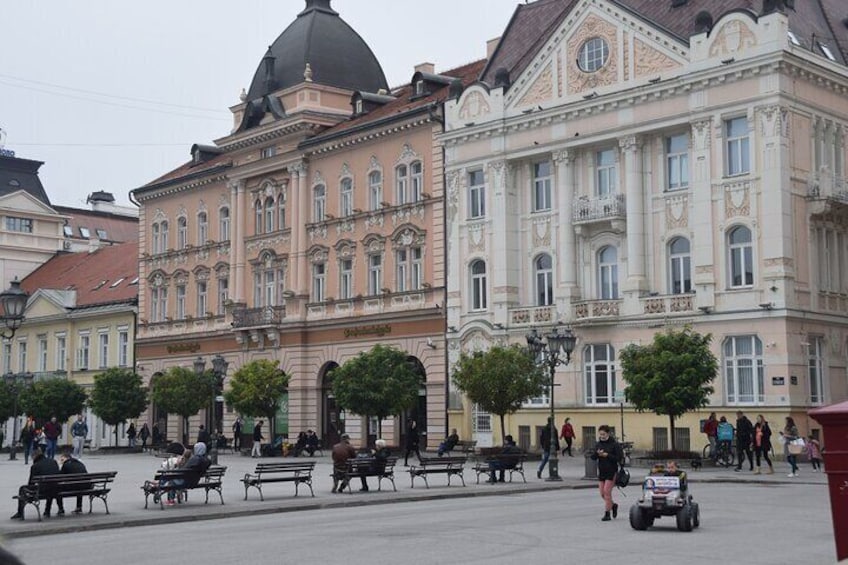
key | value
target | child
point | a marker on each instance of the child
(814, 453)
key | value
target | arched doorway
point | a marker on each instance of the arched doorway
(332, 422)
(419, 411)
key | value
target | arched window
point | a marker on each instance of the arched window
(319, 203)
(416, 171)
(154, 239)
(375, 190)
(679, 266)
(401, 184)
(743, 370)
(182, 232)
(346, 197)
(479, 286)
(740, 253)
(270, 212)
(258, 215)
(164, 235)
(543, 266)
(608, 273)
(202, 228)
(224, 224)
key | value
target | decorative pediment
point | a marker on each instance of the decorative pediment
(732, 37)
(474, 104)
(408, 235)
(345, 248)
(407, 155)
(318, 254)
(374, 243)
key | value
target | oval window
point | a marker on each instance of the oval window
(593, 55)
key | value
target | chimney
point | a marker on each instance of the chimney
(491, 45)
(428, 68)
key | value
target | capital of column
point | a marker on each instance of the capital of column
(564, 156)
(235, 185)
(701, 133)
(630, 143)
(298, 169)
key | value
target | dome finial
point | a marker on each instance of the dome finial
(243, 95)
(319, 5)
(307, 73)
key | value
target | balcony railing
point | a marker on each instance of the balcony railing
(670, 304)
(596, 309)
(587, 210)
(824, 185)
(258, 317)
(531, 316)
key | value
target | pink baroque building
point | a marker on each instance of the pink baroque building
(310, 233)
(627, 166)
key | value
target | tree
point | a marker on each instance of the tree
(7, 402)
(500, 380)
(184, 392)
(118, 395)
(381, 382)
(53, 397)
(670, 376)
(257, 388)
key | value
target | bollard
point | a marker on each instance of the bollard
(591, 468)
(834, 421)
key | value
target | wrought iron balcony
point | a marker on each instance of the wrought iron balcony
(258, 317)
(588, 210)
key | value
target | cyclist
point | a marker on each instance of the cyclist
(724, 435)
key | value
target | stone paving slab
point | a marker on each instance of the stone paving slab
(126, 501)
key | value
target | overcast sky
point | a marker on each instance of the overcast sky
(111, 94)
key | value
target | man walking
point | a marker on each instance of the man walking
(237, 434)
(79, 430)
(744, 437)
(711, 431)
(545, 439)
(52, 431)
(257, 440)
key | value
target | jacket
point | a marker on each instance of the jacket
(257, 432)
(607, 466)
(412, 437)
(197, 465)
(79, 429)
(52, 430)
(764, 433)
(73, 466)
(44, 466)
(342, 451)
(545, 439)
(744, 431)
(567, 431)
(711, 428)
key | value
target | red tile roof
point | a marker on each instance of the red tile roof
(92, 275)
(190, 169)
(118, 228)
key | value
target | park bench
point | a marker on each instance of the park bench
(92, 485)
(450, 466)
(163, 483)
(512, 463)
(361, 467)
(291, 472)
(466, 447)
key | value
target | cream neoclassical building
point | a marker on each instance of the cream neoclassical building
(628, 166)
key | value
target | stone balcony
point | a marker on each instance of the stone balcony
(826, 192)
(532, 316)
(668, 304)
(596, 309)
(590, 210)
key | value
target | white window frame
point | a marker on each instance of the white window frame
(597, 366)
(202, 298)
(375, 190)
(224, 224)
(61, 351)
(319, 202)
(163, 226)
(479, 285)
(270, 214)
(735, 363)
(402, 184)
(416, 280)
(123, 346)
(815, 370)
(544, 280)
(7, 356)
(84, 351)
(319, 282)
(606, 177)
(401, 269)
(476, 194)
(281, 210)
(737, 147)
(608, 283)
(740, 255)
(22, 355)
(259, 216)
(154, 238)
(42, 353)
(182, 232)
(593, 55)
(345, 279)
(202, 228)
(542, 197)
(416, 177)
(180, 293)
(223, 295)
(346, 197)
(677, 162)
(375, 274)
(679, 267)
(103, 349)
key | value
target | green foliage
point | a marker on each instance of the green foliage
(671, 376)
(381, 382)
(182, 391)
(118, 395)
(500, 380)
(53, 397)
(257, 388)
(7, 402)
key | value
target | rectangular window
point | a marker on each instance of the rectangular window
(22, 356)
(743, 370)
(677, 161)
(267, 152)
(281, 205)
(605, 172)
(417, 275)
(83, 352)
(223, 295)
(258, 295)
(476, 195)
(202, 229)
(346, 198)
(23, 225)
(417, 172)
(181, 301)
(375, 274)
(599, 372)
(346, 279)
(375, 190)
(103, 349)
(123, 347)
(319, 202)
(270, 288)
(7, 357)
(737, 146)
(224, 227)
(402, 264)
(61, 352)
(542, 186)
(101, 234)
(201, 299)
(319, 279)
(815, 364)
(42, 353)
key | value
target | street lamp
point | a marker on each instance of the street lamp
(549, 355)
(16, 383)
(219, 370)
(13, 302)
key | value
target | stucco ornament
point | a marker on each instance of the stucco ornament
(541, 90)
(734, 36)
(474, 106)
(676, 212)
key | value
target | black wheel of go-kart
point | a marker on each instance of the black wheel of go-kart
(684, 519)
(696, 515)
(638, 519)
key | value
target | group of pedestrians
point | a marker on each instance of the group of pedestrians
(45, 438)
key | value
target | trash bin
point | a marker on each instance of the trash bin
(591, 468)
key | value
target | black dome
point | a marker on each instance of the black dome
(336, 54)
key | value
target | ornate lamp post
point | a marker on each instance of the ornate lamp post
(16, 382)
(550, 355)
(213, 419)
(13, 302)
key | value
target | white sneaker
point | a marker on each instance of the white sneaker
(791, 475)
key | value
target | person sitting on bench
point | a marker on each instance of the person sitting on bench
(41, 466)
(312, 442)
(70, 466)
(507, 459)
(449, 443)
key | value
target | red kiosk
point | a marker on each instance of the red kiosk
(834, 421)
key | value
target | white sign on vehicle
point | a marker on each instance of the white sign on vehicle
(672, 483)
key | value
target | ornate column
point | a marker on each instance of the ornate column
(237, 230)
(567, 243)
(701, 223)
(631, 146)
(505, 239)
(301, 269)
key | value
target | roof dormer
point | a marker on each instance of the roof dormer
(365, 102)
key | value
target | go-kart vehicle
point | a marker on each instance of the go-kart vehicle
(665, 496)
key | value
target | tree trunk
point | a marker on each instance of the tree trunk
(185, 431)
(379, 427)
(503, 429)
(116, 435)
(673, 443)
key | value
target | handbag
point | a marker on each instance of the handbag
(622, 477)
(796, 446)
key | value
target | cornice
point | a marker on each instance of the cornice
(166, 189)
(353, 137)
